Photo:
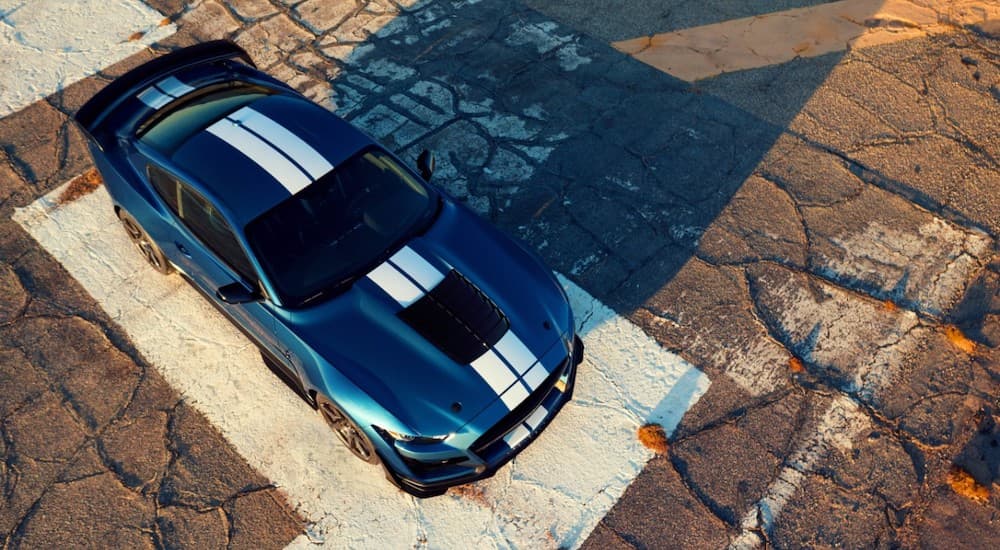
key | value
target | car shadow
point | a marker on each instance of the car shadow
(611, 169)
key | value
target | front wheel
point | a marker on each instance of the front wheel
(154, 256)
(347, 431)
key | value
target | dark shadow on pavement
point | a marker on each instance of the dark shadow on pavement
(608, 167)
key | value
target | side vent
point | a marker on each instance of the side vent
(457, 318)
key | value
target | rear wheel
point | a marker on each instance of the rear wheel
(154, 256)
(347, 431)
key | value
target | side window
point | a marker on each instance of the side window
(165, 185)
(208, 225)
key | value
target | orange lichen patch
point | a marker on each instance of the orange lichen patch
(795, 365)
(959, 340)
(654, 438)
(84, 184)
(471, 491)
(164, 22)
(542, 208)
(889, 305)
(964, 484)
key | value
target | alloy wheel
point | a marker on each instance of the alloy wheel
(347, 432)
(142, 242)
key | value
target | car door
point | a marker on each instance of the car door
(208, 252)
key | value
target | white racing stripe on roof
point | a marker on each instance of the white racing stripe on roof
(395, 284)
(154, 98)
(284, 140)
(515, 352)
(288, 175)
(419, 269)
(172, 86)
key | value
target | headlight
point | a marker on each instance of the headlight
(407, 438)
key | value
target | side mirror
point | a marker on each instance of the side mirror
(425, 163)
(236, 293)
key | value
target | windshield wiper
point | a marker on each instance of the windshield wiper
(311, 298)
(330, 291)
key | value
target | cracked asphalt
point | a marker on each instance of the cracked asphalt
(818, 236)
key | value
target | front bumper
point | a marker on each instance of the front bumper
(498, 446)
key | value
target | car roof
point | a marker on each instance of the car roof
(265, 151)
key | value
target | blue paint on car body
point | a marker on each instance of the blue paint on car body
(446, 344)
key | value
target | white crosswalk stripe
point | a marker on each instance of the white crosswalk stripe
(206, 359)
(47, 45)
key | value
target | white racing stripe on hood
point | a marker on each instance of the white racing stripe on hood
(494, 371)
(420, 270)
(284, 140)
(395, 284)
(515, 395)
(516, 353)
(534, 377)
(407, 276)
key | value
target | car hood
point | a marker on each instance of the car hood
(361, 335)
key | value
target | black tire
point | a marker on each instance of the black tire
(347, 431)
(154, 256)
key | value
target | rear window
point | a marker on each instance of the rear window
(170, 131)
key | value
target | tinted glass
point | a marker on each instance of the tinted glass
(165, 185)
(325, 234)
(208, 225)
(171, 131)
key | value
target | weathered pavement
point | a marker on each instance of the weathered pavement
(818, 236)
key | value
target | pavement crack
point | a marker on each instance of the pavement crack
(919, 198)
(680, 467)
(763, 318)
(731, 417)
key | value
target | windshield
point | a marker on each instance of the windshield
(323, 236)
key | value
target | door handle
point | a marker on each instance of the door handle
(183, 250)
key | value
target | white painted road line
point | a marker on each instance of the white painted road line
(841, 423)
(47, 45)
(552, 494)
(772, 38)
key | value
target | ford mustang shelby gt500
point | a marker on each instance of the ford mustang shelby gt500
(430, 342)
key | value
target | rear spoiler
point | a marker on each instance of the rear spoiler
(93, 113)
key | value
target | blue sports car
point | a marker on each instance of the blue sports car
(429, 341)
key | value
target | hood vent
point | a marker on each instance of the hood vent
(457, 318)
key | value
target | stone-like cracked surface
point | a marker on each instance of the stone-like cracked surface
(807, 234)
